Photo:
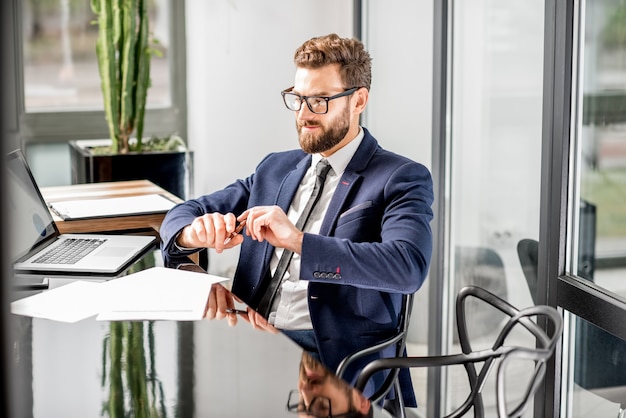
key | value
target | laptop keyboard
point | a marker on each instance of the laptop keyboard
(70, 251)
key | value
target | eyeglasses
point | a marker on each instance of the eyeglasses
(316, 104)
(318, 408)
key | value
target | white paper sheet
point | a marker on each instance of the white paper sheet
(114, 206)
(70, 303)
(157, 293)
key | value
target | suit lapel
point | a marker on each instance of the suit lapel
(290, 184)
(347, 182)
(286, 191)
(351, 176)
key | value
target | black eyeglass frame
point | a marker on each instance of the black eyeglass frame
(305, 99)
(295, 407)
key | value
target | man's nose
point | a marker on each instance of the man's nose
(305, 113)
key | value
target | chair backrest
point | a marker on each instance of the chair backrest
(499, 355)
(482, 267)
(399, 340)
(528, 253)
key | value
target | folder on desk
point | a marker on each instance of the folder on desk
(111, 207)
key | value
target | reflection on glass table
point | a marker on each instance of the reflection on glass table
(321, 394)
(162, 369)
(382, 328)
(153, 368)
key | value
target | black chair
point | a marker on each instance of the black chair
(528, 254)
(482, 267)
(600, 357)
(499, 356)
(391, 380)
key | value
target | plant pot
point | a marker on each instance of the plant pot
(171, 170)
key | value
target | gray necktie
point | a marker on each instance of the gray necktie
(265, 305)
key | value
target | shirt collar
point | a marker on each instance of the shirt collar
(340, 159)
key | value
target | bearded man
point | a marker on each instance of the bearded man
(336, 232)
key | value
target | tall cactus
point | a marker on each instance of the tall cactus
(124, 64)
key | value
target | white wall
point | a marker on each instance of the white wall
(399, 36)
(240, 56)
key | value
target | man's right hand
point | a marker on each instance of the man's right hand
(210, 231)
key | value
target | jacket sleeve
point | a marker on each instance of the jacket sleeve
(233, 198)
(386, 246)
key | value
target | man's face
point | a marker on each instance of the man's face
(322, 133)
(316, 381)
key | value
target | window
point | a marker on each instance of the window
(595, 350)
(495, 133)
(602, 235)
(59, 88)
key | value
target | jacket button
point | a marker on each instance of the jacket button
(316, 274)
(337, 276)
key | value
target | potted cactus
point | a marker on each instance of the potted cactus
(124, 52)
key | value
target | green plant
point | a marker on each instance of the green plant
(124, 55)
(128, 366)
(128, 359)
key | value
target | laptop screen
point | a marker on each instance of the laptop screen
(31, 223)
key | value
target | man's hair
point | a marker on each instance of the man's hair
(355, 63)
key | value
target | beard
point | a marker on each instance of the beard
(331, 133)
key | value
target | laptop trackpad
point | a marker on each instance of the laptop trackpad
(114, 252)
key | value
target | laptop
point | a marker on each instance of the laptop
(35, 236)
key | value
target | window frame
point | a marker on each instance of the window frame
(60, 126)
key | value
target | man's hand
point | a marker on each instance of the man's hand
(210, 231)
(221, 300)
(259, 322)
(272, 224)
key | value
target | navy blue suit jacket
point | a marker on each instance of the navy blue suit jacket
(374, 245)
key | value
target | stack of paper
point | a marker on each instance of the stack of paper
(157, 293)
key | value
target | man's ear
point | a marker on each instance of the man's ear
(361, 96)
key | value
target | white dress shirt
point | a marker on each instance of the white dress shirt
(290, 310)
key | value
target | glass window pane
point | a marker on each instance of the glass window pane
(497, 89)
(60, 67)
(595, 371)
(596, 382)
(602, 235)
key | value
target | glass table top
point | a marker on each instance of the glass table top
(152, 368)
